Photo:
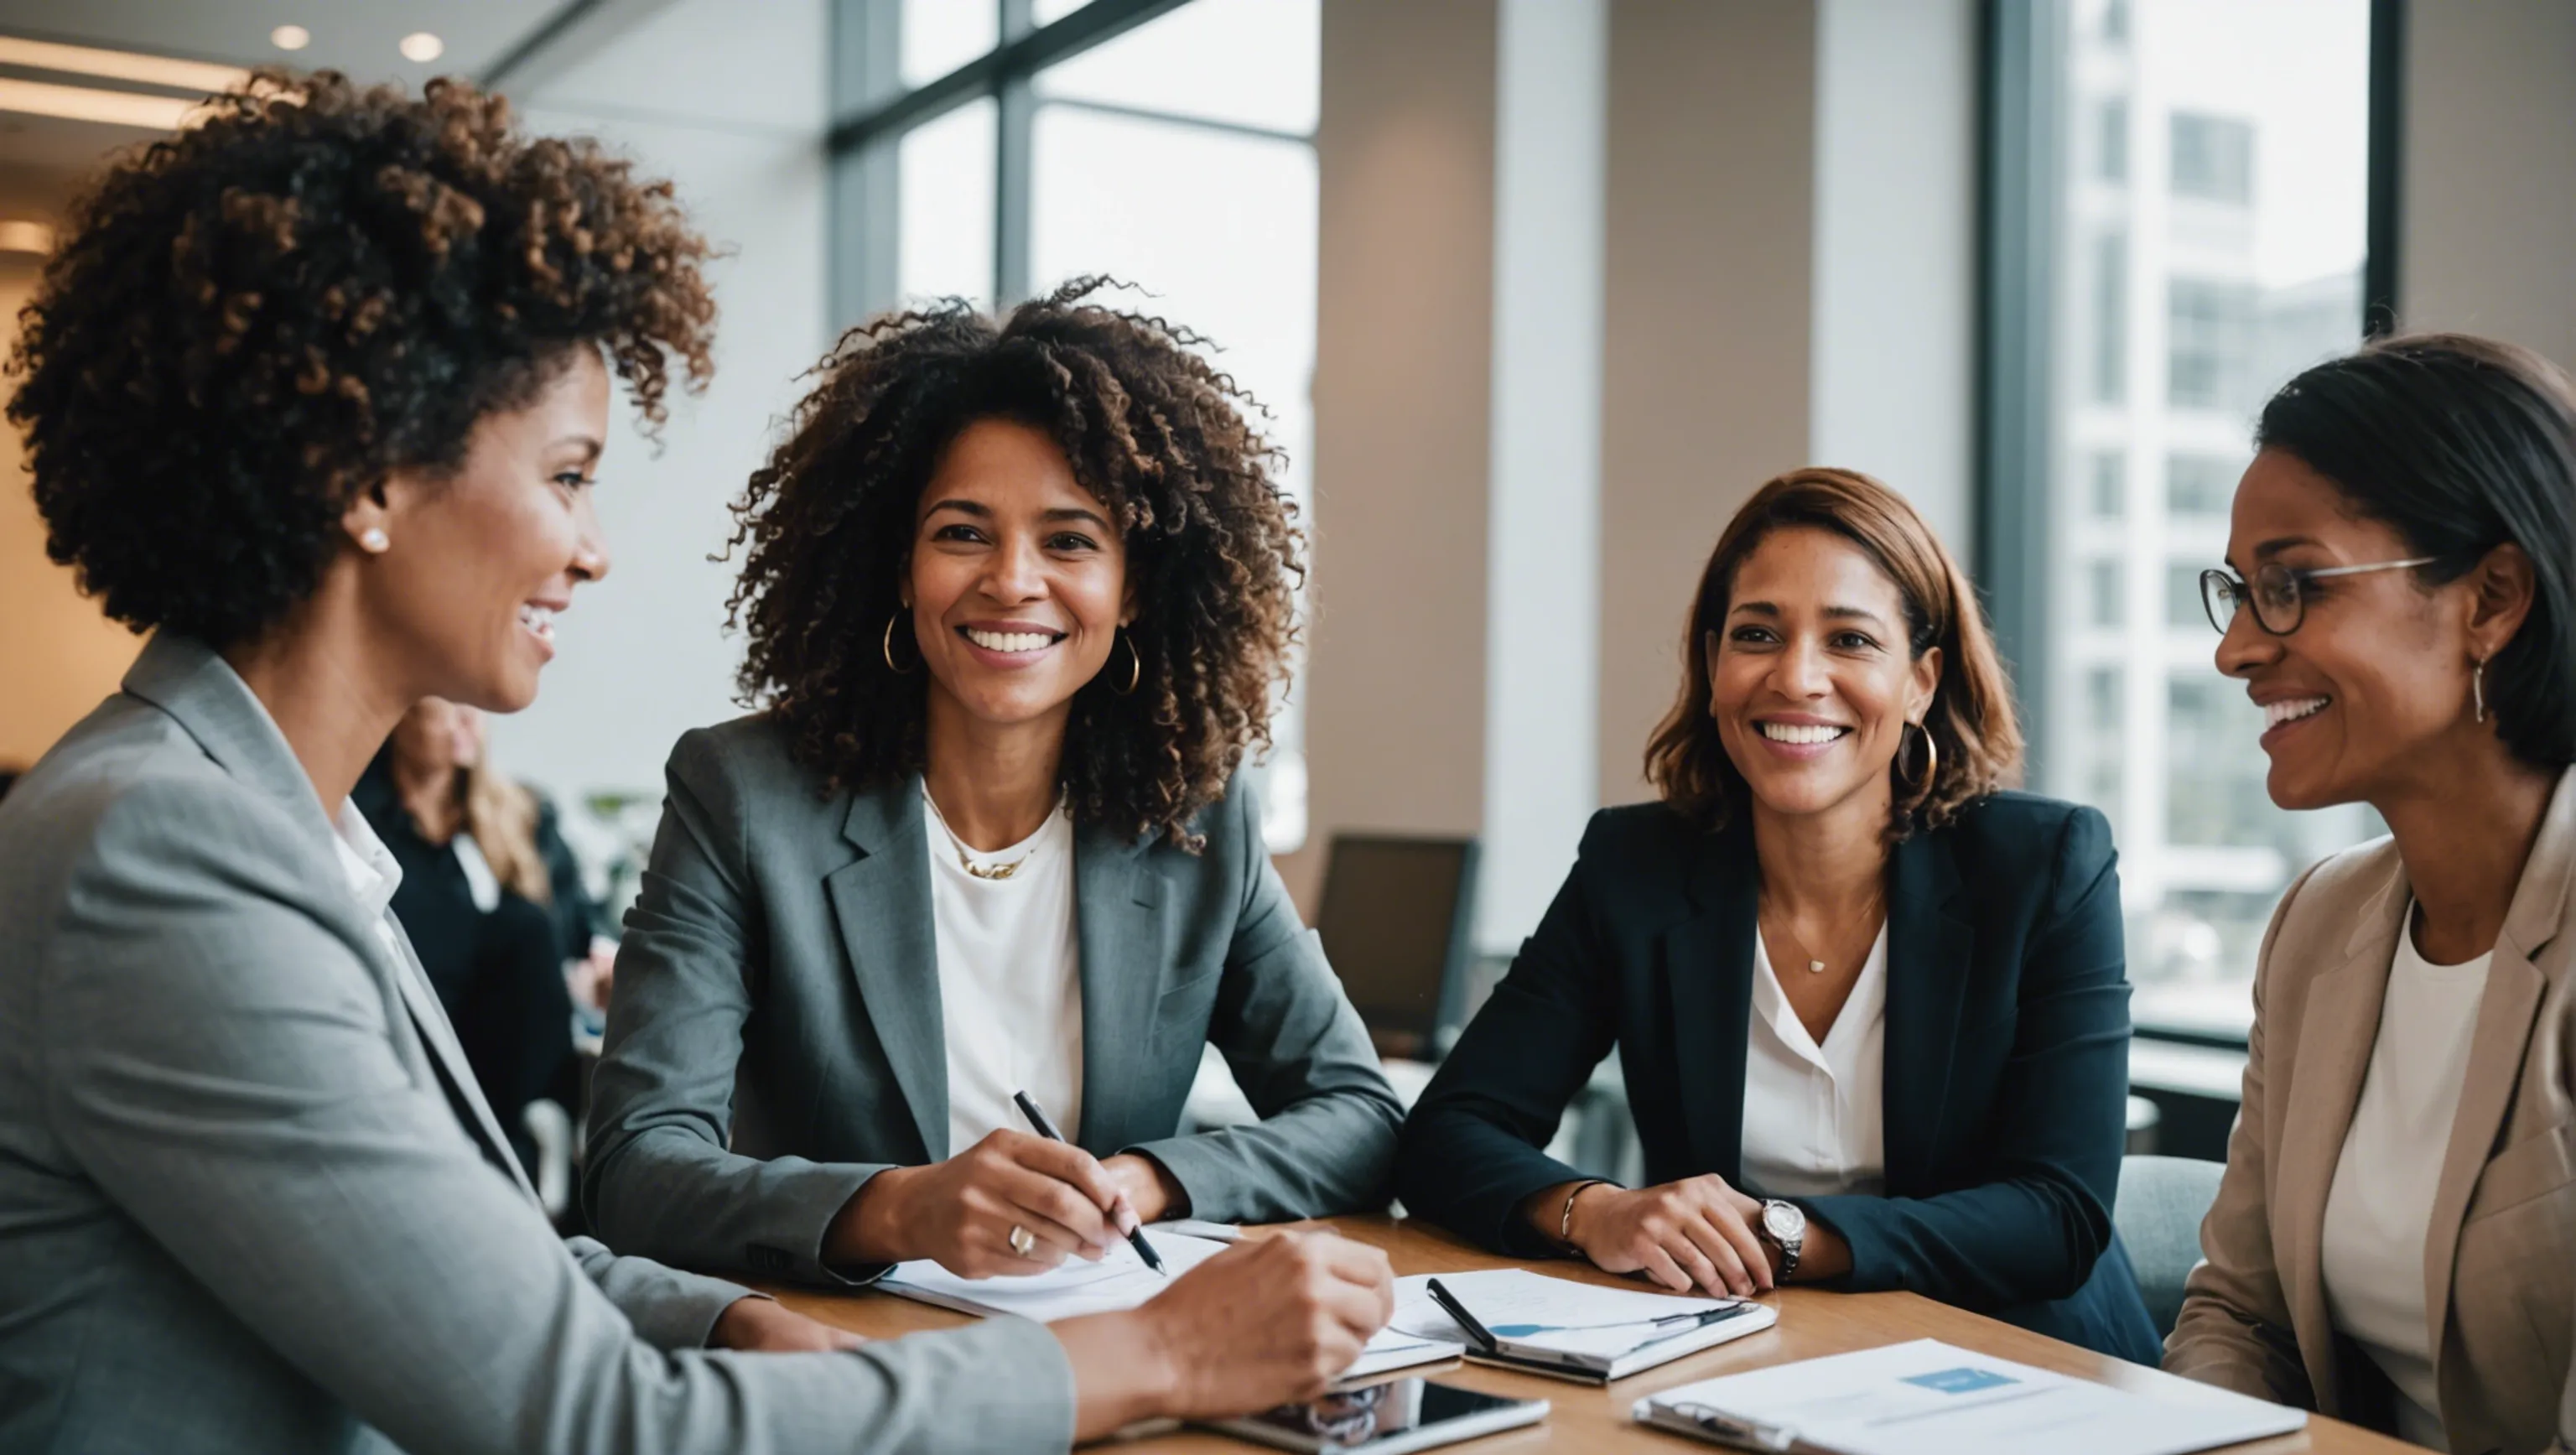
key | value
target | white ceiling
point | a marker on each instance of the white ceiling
(357, 36)
(360, 37)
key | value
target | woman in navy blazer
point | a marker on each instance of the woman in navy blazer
(1830, 804)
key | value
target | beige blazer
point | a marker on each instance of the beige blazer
(2500, 1261)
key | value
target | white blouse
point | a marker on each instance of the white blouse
(2379, 1209)
(1814, 1121)
(1010, 980)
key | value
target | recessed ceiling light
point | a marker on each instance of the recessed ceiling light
(423, 47)
(290, 37)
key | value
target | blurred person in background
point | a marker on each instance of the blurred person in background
(492, 900)
(1019, 592)
(316, 392)
(1871, 1007)
(2394, 1242)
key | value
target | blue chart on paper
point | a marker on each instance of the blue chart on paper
(1961, 1381)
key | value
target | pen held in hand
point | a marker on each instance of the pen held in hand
(1045, 1128)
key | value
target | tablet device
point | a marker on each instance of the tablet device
(1385, 1419)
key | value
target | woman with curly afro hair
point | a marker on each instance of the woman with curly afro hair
(1017, 592)
(315, 393)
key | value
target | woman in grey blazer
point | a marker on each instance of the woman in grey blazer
(315, 392)
(1018, 592)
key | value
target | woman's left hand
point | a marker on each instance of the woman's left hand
(1154, 1193)
(1695, 1233)
(764, 1325)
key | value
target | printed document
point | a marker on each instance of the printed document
(1931, 1398)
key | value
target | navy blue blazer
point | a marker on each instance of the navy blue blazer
(2007, 1046)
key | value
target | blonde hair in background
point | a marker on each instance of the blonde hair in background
(502, 817)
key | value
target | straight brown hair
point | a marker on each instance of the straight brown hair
(1971, 717)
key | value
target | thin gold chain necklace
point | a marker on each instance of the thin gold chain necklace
(965, 860)
(1878, 911)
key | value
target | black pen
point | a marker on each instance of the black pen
(1046, 1129)
(1458, 1311)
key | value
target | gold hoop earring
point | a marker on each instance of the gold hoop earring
(1922, 783)
(1135, 665)
(2478, 688)
(888, 646)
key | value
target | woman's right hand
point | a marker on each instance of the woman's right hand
(960, 1213)
(1268, 1321)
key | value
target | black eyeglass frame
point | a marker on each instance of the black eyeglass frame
(2218, 583)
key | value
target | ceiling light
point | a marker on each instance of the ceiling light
(19, 236)
(43, 55)
(290, 37)
(84, 103)
(423, 47)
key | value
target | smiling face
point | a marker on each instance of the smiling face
(2378, 669)
(480, 560)
(1017, 583)
(1811, 682)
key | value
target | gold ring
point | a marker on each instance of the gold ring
(1021, 1241)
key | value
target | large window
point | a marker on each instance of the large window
(2183, 194)
(992, 149)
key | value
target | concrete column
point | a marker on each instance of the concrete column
(1542, 592)
(1395, 706)
(2487, 196)
(1706, 351)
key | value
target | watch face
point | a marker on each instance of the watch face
(1783, 1221)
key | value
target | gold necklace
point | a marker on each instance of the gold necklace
(966, 861)
(1814, 966)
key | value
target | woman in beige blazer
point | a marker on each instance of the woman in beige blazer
(2394, 1242)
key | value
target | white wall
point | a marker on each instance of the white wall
(729, 102)
(2488, 191)
(1543, 571)
(1894, 372)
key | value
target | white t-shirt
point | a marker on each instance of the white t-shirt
(1814, 1121)
(1010, 979)
(2379, 1209)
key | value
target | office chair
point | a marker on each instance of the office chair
(1398, 922)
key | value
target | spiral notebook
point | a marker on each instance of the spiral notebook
(1572, 1330)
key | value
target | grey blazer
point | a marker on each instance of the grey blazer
(776, 1040)
(250, 1199)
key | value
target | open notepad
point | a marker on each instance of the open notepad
(1931, 1398)
(1573, 1330)
(1120, 1280)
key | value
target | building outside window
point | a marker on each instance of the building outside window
(2220, 253)
(992, 149)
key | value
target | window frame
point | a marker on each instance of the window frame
(2026, 123)
(873, 110)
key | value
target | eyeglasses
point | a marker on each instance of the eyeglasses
(2279, 594)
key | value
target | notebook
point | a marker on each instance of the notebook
(1570, 1330)
(1119, 1281)
(1931, 1398)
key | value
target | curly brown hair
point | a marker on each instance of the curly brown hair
(1151, 429)
(1974, 732)
(255, 320)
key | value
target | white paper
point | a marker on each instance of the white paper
(1119, 1281)
(1931, 1398)
(1521, 1308)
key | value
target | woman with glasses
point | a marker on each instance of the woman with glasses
(2394, 1242)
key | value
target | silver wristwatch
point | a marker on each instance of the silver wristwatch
(1786, 1226)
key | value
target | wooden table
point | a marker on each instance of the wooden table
(1585, 1418)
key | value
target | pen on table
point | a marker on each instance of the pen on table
(1046, 1129)
(1450, 1305)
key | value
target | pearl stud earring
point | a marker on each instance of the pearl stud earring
(374, 541)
